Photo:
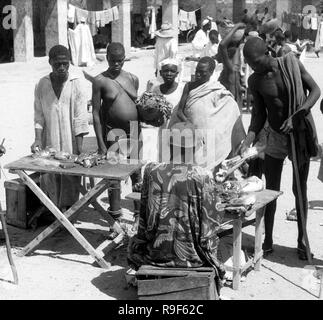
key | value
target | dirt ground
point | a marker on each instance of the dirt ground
(61, 269)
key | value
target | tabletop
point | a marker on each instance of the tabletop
(119, 171)
(262, 199)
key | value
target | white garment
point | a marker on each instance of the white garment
(199, 42)
(192, 19)
(314, 23)
(115, 12)
(153, 26)
(81, 44)
(164, 48)
(183, 22)
(71, 13)
(321, 34)
(210, 50)
(174, 99)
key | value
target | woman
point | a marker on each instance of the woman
(319, 35)
(172, 91)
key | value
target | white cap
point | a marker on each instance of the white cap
(169, 61)
(205, 21)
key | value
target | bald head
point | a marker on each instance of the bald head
(256, 54)
(116, 49)
(254, 46)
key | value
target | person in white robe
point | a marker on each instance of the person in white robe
(61, 121)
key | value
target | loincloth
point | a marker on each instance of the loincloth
(277, 144)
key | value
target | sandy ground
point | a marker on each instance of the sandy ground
(60, 269)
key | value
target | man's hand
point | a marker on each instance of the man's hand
(36, 146)
(102, 151)
(240, 25)
(287, 126)
(2, 150)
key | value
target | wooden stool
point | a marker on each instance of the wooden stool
(155, 283)
(5, 230)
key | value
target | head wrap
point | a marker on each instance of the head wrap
(205, 22)
(169, 61)
(58, 50)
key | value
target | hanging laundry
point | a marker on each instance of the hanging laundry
(71, 13)
(81, 44)
(115, 11)
(153, 26)
(98, 18)
(192, 19)
(183, 22)
(92, 22)
(81, 14)
(107, 16)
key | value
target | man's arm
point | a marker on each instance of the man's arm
(223, 46)
(180, 111)
(314, 94)
(39, 122)
(258, 116)
(96, 104)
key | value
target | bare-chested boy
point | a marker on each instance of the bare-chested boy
(114, 94)
(271, 102)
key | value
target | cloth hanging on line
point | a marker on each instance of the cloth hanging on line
(186, 20)
(81, 15)
(71, 13)
(115, 11)
(153, 25)
(81, 44)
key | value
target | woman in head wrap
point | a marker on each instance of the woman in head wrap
(171, 90)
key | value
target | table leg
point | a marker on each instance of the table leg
(258, 238)
(115, 198)
(63, 219)
(9, 255)
(113, 223)
(237, 236)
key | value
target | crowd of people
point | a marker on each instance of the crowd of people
(179, 219)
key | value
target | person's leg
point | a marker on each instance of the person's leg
(303, 175)
(273, 171)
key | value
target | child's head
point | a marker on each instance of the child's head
(169, 70)
(214, 36)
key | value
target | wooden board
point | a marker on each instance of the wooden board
(120, 171)
(262, 199)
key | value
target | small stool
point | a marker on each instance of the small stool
(156, 283)
(5, 230)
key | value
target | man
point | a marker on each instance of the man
(114, 93)
(60, 117)
(230, 56)
(178, 221)
(277, 86)
(246, 19)
(210, 107)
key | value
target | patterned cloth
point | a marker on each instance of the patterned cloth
(178, 222)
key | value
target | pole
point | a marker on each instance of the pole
(300, 198)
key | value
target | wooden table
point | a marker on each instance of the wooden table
(240, 221)
(111, 174)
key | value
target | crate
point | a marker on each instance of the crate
(156, 283)
(21, 202)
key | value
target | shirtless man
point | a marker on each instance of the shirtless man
(271, 102)
(113, 97)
